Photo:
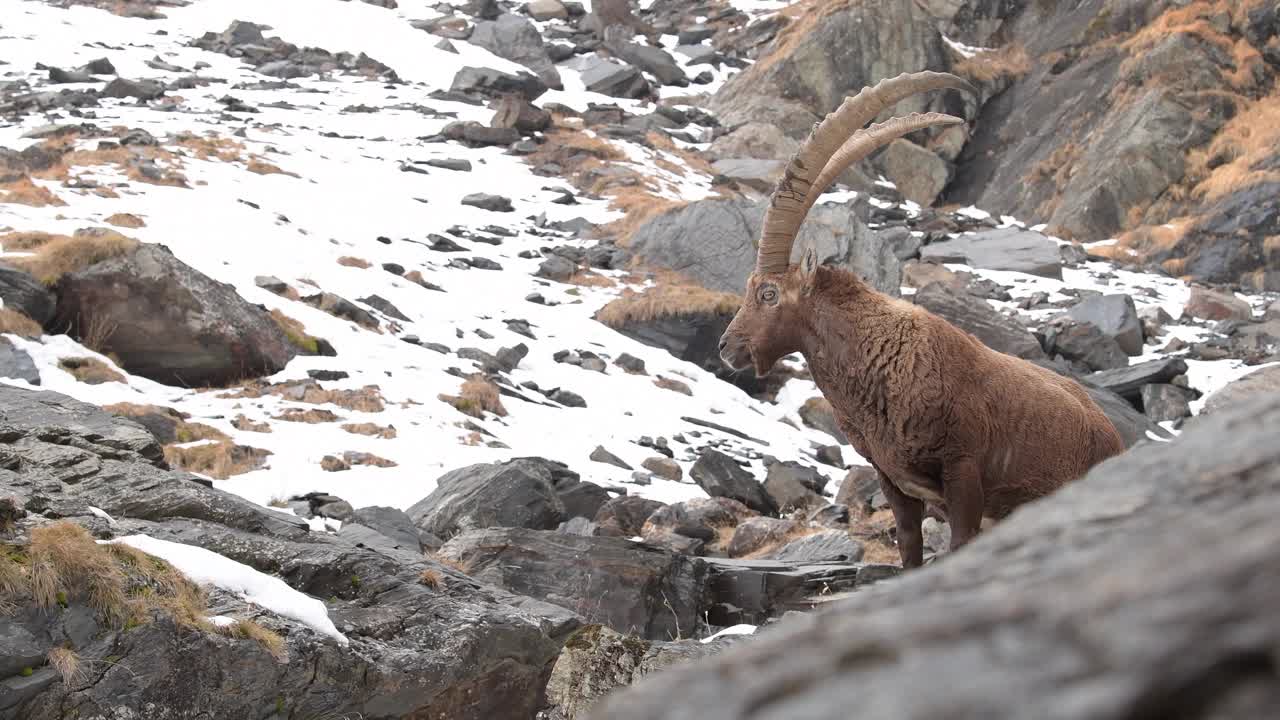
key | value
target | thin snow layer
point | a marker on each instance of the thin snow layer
(209, 568)
(349, 190)
(731, 630)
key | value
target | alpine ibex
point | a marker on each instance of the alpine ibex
(944, 419)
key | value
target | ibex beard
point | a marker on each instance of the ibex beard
(947, 422)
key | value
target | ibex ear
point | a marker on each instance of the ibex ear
(809, 268)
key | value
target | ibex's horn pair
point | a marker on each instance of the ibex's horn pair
(836, 143)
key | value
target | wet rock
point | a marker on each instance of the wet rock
(1116, 316)
(171, 323)
(721, 476)
(518, 493)
(628, 587)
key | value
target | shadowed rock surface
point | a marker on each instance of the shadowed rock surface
(1144, 590)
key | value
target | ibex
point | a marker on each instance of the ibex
(945, 420)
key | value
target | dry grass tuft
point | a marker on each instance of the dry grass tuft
(371, 429)
(22, 241)
(477, 396)
(24, 191)
(219, 460)
(244, 424)
(673, 385)
(251, 630)
(355, 262)
(296, 333)
(262, 167)
(431, 578)
(1247, 140)
(90, 371)
(666, 300)
(448, 562)
(640, 205)
(310, 416)
(366, 399)
(61, 255)
(67, 662)
(126, 220)
(13, 322)
(65, 562)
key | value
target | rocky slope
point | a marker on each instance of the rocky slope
(376, 341)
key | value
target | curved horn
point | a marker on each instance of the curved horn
(837, 142)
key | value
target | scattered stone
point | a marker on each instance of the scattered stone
(1115, 316)
(343, 308)
(625, 516)
(754, 534)
(825, 546)
(485, 201)
(720, 476)
(974, 315)
(1003, 249)
(793, 486)
(1085, 343)
(385, 307)
(518, 493)
(601, 455)
(1164, 402)
(664, 467)
(1127, 381)
(1206, 304)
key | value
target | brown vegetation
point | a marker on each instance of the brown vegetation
(371, 429)
(667, 299)
(355, 262)
(13, 322)
(244, 424)
(1228, 163)
(365, 399)
(90, 371)
(262, 167)
(295, 332)
(218, 460)
(59, 255)
(25, 192)
(310, 416)
(673, 385)
(250, 630)
(431, 578)
(448, 562)
(477, 396)
(29, 240)
(1007, 62)
(126, 220)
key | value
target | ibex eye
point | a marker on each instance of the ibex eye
(768, 295)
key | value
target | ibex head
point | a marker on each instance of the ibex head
(777, 302)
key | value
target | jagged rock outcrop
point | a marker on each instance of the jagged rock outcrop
(1127, 594)
(424, 640)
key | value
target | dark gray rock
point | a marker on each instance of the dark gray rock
(385, 307)
(137, 89)
(456, 647)
(340, 307)
(485, 201)
(1163, 402)
(604, 456)
(828, 545)
(974, 315)
(653, 60)
(711, 242)
(625, 516)
(518, 493)
(755, 534)
(754, 590)
(1003, 249)
(16, 364)
(793, 486)
(919, 174)
(391, 522)
(171, 323)
(516, 39)
(613, 79)
(581, 499)
(1127, 381)
(1156, 552)
(495, 83)
(708, 520)
(632, 588)
(721, 476)
(860, 484)
(1085, 343)
(473, 134)
(25, 294)
(556, 268)
(1115, 316)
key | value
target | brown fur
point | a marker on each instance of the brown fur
(944, 419)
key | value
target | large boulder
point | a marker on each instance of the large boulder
(23, 293)
(17, 364)
(422, 639)
(975, 315)
(1127, 381)
(1114, 315)
(721, 476)
(516, 39)
(519, 493)
(1009, 248)
(713, 242)
(1154, 556)
(919, 174)
(1260, 382)
(166, 321)
(632, 588)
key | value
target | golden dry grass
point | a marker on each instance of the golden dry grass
(262, 167)
(13, 322)
(244, 424)
(448, 562)
(663, 300)
(90, 371)
(67, 662)
(64, 562)
(1010, 61)
(431, 578)
(250, 630)
(310, 416)
(477, 396)
(23, 241)
(366, 399)
(673, 385)
(1249, 138)
(805, 18)
(126, 220)
(295, 332)
(61, 255)
(24, 191)
(219, 460)
(371, 429)
(355, 262)
(640, 205)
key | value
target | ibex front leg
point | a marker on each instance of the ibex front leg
(962, 490)
(908, 513)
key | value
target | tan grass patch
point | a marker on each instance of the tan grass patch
(13, 322)
(1146, 241)
(219, 460)
(61, 255)
(477, 396)
(1007, 62)
(126, 220)
(448, 562)
(310, 416)
(262, 167)
(24, 191)
(588, 278)
(295, 332)
(244, 424)
(666, 300)
(366, 399)
(1245, 141)
(22, 241)
(432, 578)
(355, 262)
(371, 429)
(67, 662)
(673, 385)
(640, 205)
(90, 371)
(805, 18)
(268, 639)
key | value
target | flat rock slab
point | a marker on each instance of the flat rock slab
(1125, 595)
(1127, 382)
(1003, 249)
(752, 591)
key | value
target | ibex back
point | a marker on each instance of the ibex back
(945, 420)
